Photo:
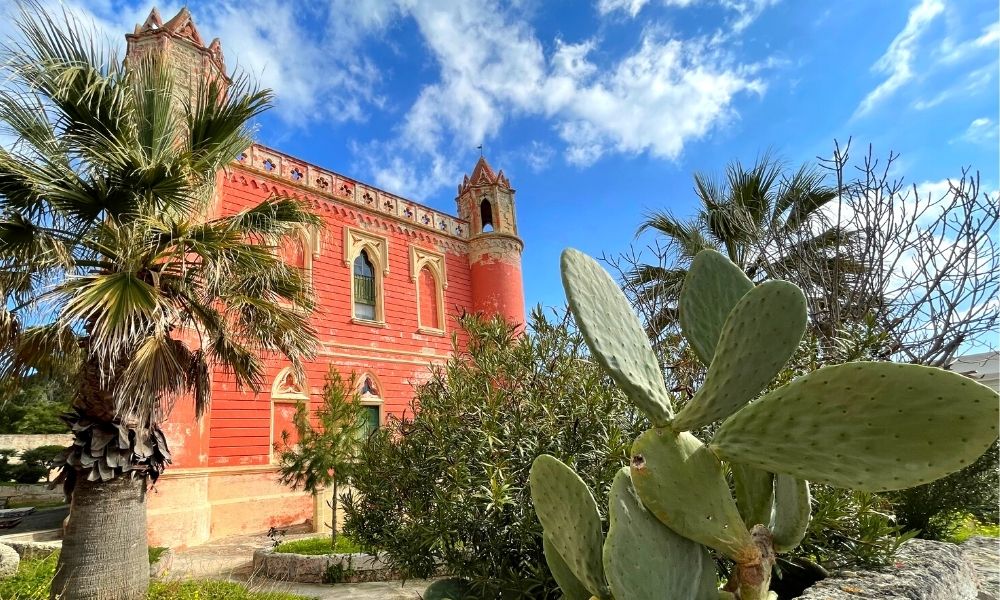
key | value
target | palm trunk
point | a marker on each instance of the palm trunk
(104, 554)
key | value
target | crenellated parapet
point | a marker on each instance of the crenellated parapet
(282, 166)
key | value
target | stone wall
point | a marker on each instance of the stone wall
(22, 442)
(922, 570)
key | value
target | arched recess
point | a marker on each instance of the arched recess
(300, 249)
(287, 392)
(370, 392)
(486, 215)
(373, 251)
(427, 271)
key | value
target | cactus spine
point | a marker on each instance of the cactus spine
(868, 426)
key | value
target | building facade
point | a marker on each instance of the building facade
(390, 277)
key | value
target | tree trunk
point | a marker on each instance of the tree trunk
(333, 526)
(104, 554)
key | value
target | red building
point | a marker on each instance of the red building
(390, 276)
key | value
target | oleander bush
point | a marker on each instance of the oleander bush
(446, 488)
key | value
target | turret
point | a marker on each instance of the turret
(486, 201)
(181, 44)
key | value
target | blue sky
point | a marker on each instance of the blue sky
(601, 111)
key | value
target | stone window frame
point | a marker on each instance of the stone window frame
(436, 263)
(371, 399)
(281, 396)
(377, 249)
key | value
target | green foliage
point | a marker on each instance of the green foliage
(319, 545)
(326, 453)
(450, 482)
(34, 464)
(850, 528)
(36, 402)
(938, 509)
(969, 527)
(34, 576)
(155, 552)
(859, 425)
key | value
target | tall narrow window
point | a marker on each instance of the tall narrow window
(364, 288)
(428, 297)
(371, 401)
(486, 215)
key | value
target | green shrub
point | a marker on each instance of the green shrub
(25, 473)
(7, 470)
(319, 545)
(450, 482)
(937, 510)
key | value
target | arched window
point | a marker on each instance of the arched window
(365, 289)
(371, 400)
(486, 215)
(287, 392)
(429, 307)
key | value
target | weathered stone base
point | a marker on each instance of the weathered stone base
(328, 568)
(923, 570)
(189, 507)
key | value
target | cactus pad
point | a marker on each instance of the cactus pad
(645, 560)
(754, 494)
(866, 426)
(762, 332)
(614, 334)
(712, 287)
(569, 585)
(681, 482)
(792, 509)
(570, 519)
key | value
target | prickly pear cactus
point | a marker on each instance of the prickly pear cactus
(868, 426)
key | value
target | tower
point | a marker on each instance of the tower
(486, 201)
(180, 43)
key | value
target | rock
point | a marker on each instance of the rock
(9, 561)
(922, 570)
(30, 550)
(984, 555)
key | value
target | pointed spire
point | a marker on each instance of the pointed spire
(153, 21)
(483, 174)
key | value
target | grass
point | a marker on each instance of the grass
(319, 545)
(970, 527)
(155, 552)
(35, 575)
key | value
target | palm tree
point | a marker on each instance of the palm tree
(768, 223)
(108, 255)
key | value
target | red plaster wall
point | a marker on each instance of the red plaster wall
(398, 356)
(498, 288)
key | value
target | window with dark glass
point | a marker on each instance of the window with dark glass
(372, 418)
(364, 288)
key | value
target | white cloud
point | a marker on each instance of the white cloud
(981, 131)
(954, 52)
(744, 12)
(491, 68)
(657, 99)
(539, 156)
(897, 62)
(974, 82)
(662, 95)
